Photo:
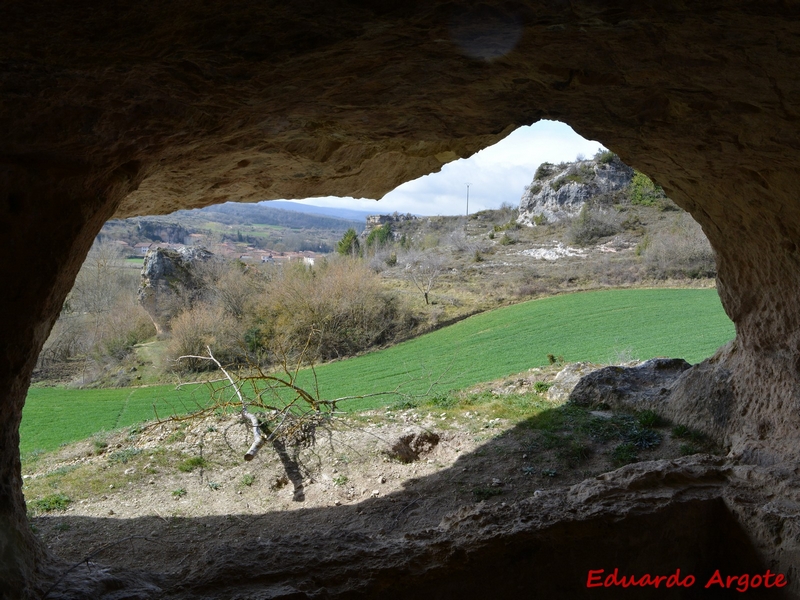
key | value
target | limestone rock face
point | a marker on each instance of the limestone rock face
(567, 379)
(170, 282)
(560, 191)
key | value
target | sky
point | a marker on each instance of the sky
(496, 175)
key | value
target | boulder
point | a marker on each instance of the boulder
(170, 282)
(642, 387)
(567, 379)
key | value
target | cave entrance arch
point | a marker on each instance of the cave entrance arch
(166, 106)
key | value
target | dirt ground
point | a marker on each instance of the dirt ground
(152, 499)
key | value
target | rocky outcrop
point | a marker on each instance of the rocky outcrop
(156, 106)
(171, 282)
(560, 191)
(643, 387)
(375, 221)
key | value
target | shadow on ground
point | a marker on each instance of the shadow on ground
(653, 518)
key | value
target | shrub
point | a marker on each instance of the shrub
(208, 326)
(682, 251)
(649, 418)
(123, 456)
(534, 189)
(643, 191)
(604, 157)
(507, 240)
(49, 503)
(543, 171)
(590, 226)
(624, 454)
(379, 236)
(336, 309)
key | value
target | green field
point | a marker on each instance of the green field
(595, 326)
(53, 416)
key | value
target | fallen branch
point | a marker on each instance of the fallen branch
(255, 426)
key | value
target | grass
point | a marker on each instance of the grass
(50, 503)
(83, 413)
(589, 326)
(190, 464)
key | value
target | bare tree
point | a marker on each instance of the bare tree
(423, 269)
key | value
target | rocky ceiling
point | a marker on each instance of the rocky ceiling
(110, 109)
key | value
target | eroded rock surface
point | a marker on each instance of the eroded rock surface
(644, 387)
(118, 111)
(171, 282)
(560, 191)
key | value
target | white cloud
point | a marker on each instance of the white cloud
(496, 175)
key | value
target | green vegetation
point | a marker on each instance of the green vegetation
(624, 454)
(590, 326)
(544, 170)
(50, 503)
(349, 245)
(643, 191)
(248, 479)
(604, 157)
(124, 455)
(380, 236)
(82, 413)
(190, 464)
(586, 326)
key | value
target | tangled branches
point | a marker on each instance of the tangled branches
(276, 408)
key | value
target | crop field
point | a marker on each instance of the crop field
(53, 416)
(603, 326)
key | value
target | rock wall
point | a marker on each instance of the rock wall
(170, 283)
(560, 191)
(111, 110)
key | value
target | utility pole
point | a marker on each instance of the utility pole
(468, 199)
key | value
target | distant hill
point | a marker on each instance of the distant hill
(258, 226)
(266, 213)
(340, 213)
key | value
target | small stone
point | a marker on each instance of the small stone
(111, 512)
(151, 482)
(375, 493)
(496, 482)
(524, 456)
(382, 479)
(337, 503)
(111, 487)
